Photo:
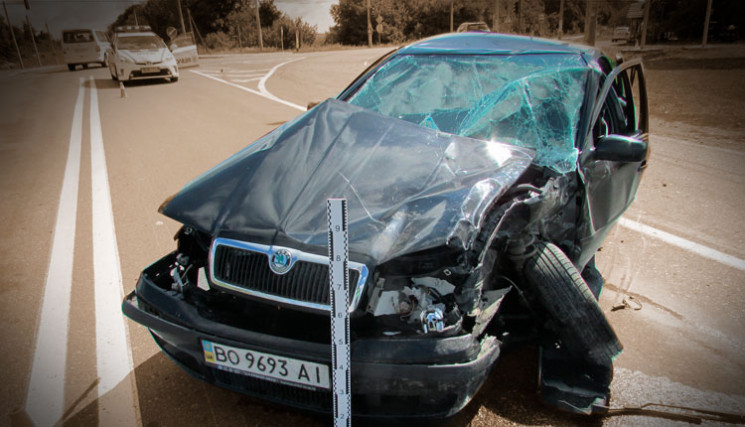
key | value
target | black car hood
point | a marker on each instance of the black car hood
(408, 188)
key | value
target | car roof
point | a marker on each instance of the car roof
(493, 44)
(123, 35)
(70, 30)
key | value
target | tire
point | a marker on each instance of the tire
(71, 67)
(576, 316)
(174, 79)
(85, 66)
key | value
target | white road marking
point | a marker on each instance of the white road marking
(682, 243)
(255, 92)
(113, 355)
(262, 82)
(246, 80)
(46, 392)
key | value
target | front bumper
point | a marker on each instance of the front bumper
(391, 377)
(129, 71)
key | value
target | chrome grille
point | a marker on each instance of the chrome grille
(245, 267)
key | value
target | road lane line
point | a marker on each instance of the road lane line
(113, 355)
(682, 243)
(255, 92)
(246, 80)
(262, 82)
(46, 393)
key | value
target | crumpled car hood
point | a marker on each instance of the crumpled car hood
(408, 188)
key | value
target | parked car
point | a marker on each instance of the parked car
(84, 47)
(482, 173)
(139, 54)
(473, 26)
(621, 34)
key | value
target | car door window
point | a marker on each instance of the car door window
(623, 110)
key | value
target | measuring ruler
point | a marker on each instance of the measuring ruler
(339, 278)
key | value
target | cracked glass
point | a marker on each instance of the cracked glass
(527, 100)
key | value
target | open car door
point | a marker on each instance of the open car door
(184, 49)
(616, 149)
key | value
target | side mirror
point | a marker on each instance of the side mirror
(619, 148)
(312, 104)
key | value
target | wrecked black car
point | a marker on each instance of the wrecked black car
(482, 173)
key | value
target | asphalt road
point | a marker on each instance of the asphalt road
(82, 173)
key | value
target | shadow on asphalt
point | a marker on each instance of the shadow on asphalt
(104, 84)
(170, 397)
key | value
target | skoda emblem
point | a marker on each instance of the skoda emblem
(280, 261)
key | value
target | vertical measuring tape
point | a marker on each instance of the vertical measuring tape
(339, 277)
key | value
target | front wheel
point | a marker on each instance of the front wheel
(174, 79)
(71, 67)
(575, 313)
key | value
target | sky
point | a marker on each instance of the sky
(64, 14)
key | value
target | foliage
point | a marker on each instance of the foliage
(414, 19)
(218, 41)
(49, 49)
(223, 23)
(282, 33)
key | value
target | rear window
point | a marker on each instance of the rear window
(77, 36)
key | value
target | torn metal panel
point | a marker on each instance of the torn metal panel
(409, 188)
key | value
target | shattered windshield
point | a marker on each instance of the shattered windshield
(531, 101)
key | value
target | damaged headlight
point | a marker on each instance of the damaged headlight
(415, 305)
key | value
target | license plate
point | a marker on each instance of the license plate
(149, 70)
(267, 366)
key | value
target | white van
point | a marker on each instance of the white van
(84, 46)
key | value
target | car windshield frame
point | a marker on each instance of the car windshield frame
(532, 100)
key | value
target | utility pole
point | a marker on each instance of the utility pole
(33, 39)
(451, 15)
(495, 23)
(258, 25)
(54, 44)
(181, 16)
(645, 22)
(590, 22)
(27, 5)
(13, 35)
(706, 24)
(519, 16)
(369, 25)
(561, 19)
(191, 29)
